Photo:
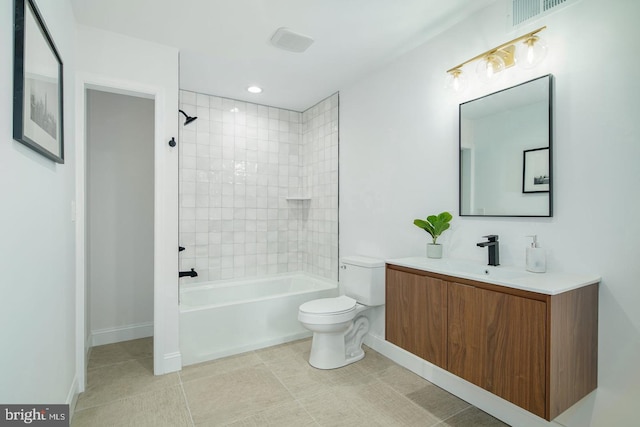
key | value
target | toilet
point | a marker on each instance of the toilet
(340, 324)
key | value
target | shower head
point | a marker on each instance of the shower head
(189, 119)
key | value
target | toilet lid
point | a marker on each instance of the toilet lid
(341, 304)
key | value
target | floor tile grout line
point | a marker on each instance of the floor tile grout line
(186, 399)
(120, 399)
(404, 397)
(453, 415)
(270, 362)
(295, 398)
(110, 365)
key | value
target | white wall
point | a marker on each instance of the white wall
(119, 216)
(37, 289)
(138, 67)
(399, 154)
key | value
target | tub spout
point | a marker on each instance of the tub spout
(191, 273)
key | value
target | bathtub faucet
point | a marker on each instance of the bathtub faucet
(191, 273)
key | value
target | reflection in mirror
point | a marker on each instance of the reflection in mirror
(505, 152)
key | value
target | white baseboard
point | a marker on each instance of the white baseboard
(72, 397)
(482, 399)
(122, 333)
(172, 362)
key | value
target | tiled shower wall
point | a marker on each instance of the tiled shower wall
(320, 180)
(240, 166)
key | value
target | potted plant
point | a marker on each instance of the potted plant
(435, 225)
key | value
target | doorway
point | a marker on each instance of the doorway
(119, 217)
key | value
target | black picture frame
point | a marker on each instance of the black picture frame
(536, 177)
(37, 84)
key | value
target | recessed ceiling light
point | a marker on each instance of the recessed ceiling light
(254, 89)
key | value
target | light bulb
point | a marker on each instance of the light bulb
(488, 68)
(531, 52)
(456, 80)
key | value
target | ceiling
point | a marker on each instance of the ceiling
(225, 44)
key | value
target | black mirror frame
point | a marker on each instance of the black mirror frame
(551, 163)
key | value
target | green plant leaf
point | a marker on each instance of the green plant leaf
(424, 225)
(445, 217)
(435, 225)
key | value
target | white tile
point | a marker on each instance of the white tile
(215, 102)
(226, 273)
(227, 251)
(188, 162)
(202, 100)
(202, 226)
(202, 213)
(201, 239)
(228, 104)
(187, 97)
(187, 238)
(202, 200)
(188, 226)
(188, 213)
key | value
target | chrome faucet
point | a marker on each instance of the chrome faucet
(494, 248)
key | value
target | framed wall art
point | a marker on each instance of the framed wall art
(535, 174)
(37, 84)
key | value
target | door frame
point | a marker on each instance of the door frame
(166, 354)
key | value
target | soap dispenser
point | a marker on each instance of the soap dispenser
(536, 257)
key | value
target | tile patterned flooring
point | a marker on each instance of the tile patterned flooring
(270, 387)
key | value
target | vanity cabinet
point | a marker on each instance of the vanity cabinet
(497, 341)
(536, 350)
(416, 318)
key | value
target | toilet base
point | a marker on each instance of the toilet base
(331, 350)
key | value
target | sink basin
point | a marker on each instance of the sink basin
(470, 270)
(513, 277)
(458, 267)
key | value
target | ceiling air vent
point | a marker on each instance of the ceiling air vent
(289, 40)
(525, 11)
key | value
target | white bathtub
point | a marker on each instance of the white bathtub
(218, 319)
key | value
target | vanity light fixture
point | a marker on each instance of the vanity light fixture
(526, 51)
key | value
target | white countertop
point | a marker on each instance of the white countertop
(512, 277)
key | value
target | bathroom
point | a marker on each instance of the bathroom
(398, 155)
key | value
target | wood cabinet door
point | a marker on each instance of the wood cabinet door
(416, 315)
(498, 342)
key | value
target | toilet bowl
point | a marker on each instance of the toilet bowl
(338, 330)
(340, 324)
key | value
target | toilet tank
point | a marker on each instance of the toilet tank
(362, 279)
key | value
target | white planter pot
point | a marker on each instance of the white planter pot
(434, 250)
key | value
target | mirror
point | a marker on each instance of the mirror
(505, 152)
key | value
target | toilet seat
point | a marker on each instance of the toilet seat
(328, 310)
